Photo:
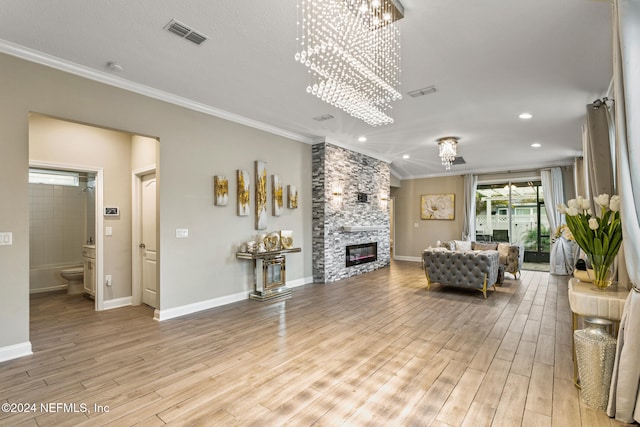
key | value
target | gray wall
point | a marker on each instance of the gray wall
(193, 147)
(411, 240)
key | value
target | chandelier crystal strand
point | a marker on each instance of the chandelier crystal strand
(447, 149)
(351, 49)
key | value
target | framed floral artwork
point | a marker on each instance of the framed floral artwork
(437, 206)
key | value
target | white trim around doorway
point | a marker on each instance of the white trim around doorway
(99, 171)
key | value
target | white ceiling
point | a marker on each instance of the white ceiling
(490, 60)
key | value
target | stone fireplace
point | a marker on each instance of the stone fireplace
(350, 208)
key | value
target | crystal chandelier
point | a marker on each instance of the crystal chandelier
(448, 149)
(351, 49)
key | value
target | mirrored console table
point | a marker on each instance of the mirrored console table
(270, 273)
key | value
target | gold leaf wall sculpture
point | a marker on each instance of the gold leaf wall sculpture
(292, 196)
(261, 195)
(243, 193)
(220, 190)
(276, 197)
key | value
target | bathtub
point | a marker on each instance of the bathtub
(46, 278)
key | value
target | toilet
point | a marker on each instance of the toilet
(75, 277)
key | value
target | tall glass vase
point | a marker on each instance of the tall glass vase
(603, 270)
(595, 356)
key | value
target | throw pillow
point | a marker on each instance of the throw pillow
(462, 245)
(447, 245)
(478, 246)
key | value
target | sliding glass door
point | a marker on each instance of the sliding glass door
(514, 212)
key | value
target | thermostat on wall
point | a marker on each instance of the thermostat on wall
(111, 212)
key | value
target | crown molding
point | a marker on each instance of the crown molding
(487, 171)
(41, 58)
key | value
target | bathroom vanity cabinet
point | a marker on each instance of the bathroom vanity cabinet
(89, 261)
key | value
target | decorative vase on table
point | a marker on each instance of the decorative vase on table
(598, 234)
(595, 355)
(603, 271)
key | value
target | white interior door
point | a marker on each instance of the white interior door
(148, 245)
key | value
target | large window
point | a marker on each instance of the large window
(514, 212)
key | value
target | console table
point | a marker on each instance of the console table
(270, 273)
(585, 301)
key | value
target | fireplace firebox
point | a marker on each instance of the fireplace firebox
(361, 254)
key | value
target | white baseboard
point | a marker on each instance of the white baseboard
(407, 258)
(300, 282)
(48, 289)
(14, 351)
(183, 310)
(115, 303)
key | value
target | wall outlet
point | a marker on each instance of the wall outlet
(6, 238)
(107, 280)
(415, 225)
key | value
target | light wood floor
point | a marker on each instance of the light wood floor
(373, 350)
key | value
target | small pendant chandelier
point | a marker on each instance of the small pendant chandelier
(448, 149)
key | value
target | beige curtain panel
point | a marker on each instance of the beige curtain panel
(624, 398)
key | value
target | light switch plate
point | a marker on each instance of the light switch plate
(6, 238)
(182, 233)
(108, 231)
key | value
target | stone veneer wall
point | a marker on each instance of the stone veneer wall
(337, 169)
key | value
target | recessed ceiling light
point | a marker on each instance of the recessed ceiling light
(536, 145)
(406, 156)
(362, 139)
(525, 116)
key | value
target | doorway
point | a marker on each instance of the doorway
(144, 238)
(514, 212)
(64, 202)
(392, 228)
(112, 155)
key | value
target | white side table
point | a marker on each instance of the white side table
(586, 301)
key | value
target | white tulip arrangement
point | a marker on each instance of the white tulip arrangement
(600, 235)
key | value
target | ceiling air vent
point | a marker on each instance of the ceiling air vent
(458, 161)
(420, 92)
(185, 32)
(323, 117)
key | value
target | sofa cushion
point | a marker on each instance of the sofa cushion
(503, 251)
(484, 246)
(462, 245)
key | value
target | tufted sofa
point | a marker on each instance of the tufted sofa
(473, 269)
(511, 255)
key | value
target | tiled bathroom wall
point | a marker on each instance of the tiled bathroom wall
(57, 225)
